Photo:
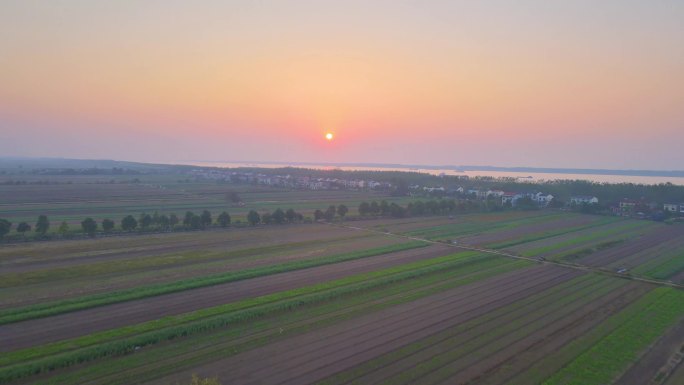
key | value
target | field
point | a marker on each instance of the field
(512, 297)
(115, 197)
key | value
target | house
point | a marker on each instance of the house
(495, 193)
(671, 207)
(542, 199)
(627, 205)
(674, 207)
(583, 199)
(509, 197)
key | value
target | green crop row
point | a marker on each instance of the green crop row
(621, 230)
(671, 267)
(148, 364)
(604, 361)
(516, 309)
(204, 320)
(473, 227)
(90, 301)
(550, 233)
(461, 349)
(156, 261)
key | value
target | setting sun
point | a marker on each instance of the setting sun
(329, 136)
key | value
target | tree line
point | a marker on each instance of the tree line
(204, 220)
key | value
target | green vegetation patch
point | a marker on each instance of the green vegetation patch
(642, 323)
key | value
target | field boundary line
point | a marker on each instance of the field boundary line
(598, 270)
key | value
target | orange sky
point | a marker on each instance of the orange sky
(542, 83)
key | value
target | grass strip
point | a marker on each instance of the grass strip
(90, 301)
(607, 359)
(204, 320)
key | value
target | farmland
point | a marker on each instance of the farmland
(508, 297)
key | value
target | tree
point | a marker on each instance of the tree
(253, 218)
(23, 227)
(187, 220)
(374, 208)
(145, 221)
(364, 209)
(196, 222)
(384, 208)
(42, 225)
(526, 203)
(89, 226)
(330, 213)
(291, 215)
(318, 215)
(173, 220)
(129, 223)
(266, 218)
(397, 211)
(233, 197)
(278, 216)
(205, 219)
(223, 219)
(107, 225)
(163, 222)
(5, 227)
(155, 218)
(342, 210)
(63, 229)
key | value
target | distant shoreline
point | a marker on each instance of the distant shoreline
(536, 170)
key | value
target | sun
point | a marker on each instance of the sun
(329, 136)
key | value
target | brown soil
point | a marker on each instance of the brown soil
(40, 331)
(311, 357)
(658, 355)
(633, 246)
(524, 230)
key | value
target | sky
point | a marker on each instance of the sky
(593, 84)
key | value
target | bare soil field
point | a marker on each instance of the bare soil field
(633, 246)
(39, 331)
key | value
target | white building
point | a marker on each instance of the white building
(582, 199)
(674, 207)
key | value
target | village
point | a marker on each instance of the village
(627, 207)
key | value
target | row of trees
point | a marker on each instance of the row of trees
(278, 217)
(417, 208)
(128, 223)
(145, 222)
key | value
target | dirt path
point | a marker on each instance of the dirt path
(40, 331)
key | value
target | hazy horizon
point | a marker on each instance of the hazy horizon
(536, 84)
